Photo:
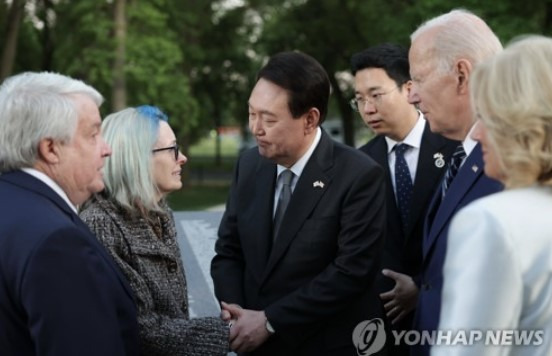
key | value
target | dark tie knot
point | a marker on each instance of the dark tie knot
(401, 148)
(459, 153)
(286, 177)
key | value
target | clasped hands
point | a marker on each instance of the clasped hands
(247, 327)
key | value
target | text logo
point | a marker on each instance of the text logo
(369, 337)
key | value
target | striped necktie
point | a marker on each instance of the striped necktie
(454, 165)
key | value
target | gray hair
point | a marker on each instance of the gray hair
(35, 106)
(461, 35)
(128, 172)
(518, 115)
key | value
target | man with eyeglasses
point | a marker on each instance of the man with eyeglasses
(413, 159)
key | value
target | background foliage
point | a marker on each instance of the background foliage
(197, 59)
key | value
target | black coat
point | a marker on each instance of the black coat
(403, 251)
(317, 282)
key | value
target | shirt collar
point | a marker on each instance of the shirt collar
(298, 167)
(50, 183)
(414, 137)
(469, 143)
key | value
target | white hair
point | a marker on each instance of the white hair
(460, 35)
(35, 106)
(128, 173)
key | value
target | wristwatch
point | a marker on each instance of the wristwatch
(269, 327)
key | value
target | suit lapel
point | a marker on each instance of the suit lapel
(380, 154)
(262, 225)
(304, 199)
(427, 174)
(29, 182)
(468, 174)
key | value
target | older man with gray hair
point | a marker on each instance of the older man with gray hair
(60, 291)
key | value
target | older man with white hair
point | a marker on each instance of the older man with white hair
(60, 291)
(442, 57)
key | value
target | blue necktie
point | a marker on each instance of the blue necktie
(283, 200)
(403, 183)
(454, 165)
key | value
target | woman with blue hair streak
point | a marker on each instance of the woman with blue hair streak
(133, 221)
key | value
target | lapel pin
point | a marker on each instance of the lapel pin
(318, 184)
(439, 160)
(475, 168)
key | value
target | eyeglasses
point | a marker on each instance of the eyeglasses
(357, 104)
(174, 148)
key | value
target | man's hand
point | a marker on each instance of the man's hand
(248, 329)
(402, 299)
(225, 314)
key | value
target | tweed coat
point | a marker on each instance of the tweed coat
(146, 250)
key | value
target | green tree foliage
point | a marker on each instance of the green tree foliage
(82, 36)
(197, 59)
(331, 31)
(154, 66)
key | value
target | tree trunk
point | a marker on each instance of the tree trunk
(119, 96)
(15, 16)
(346, 113)
(46, 38)
(217, 120)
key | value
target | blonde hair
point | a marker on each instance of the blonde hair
(512, 95)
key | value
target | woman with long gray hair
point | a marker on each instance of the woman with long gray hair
(132, 219)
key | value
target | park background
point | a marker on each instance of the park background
(197, 59)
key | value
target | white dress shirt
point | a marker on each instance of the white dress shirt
(414, 140)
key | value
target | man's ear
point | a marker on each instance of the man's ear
(462, 70)
(407, 87)
(48, 151)
(312, 118)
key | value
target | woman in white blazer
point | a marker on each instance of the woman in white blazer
(498, 270)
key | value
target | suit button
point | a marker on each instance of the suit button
(426, 286)
(171, 267)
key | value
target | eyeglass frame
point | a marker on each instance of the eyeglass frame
(376, 99)
(173, 147)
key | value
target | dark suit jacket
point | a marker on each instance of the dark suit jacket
(316, 283)
(403, 251)
(60, 292)
(470, 184)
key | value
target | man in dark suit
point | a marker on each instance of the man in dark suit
(382, 83)
(60, 292)
(443, 54)
(303, 276)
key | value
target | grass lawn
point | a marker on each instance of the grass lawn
(206, 146)
(199, 197)
(207, 184)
